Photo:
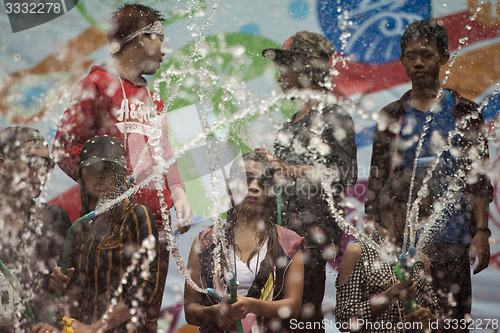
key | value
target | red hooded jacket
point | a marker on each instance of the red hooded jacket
(106, 103)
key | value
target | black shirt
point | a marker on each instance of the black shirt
(323, 137)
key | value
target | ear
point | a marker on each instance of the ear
(445, 57)
(401, 57)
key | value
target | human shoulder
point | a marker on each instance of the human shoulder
(463, 105)
(349, 261)
(54, 215)
(397, 107)
(139, 209)
(98, 76)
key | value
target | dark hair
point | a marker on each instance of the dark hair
(269, 214)
(430, 31)
(130, 18)
(12, 138)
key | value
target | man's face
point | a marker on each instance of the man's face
(28, 172)
(422, 61)
(151, 53)
(289, 79)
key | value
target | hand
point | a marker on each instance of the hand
(182, 209)
(240, 309)
(480, 248)
(224, 322)
(58, 281)
(402, 291)
(422, 315)
(44, 328)
(79, 327)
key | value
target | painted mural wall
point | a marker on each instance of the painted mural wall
(214, 69)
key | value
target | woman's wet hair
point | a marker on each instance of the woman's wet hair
(269, 213)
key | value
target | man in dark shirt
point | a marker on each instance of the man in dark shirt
(33, 233)
(316, 144)
(437, 133)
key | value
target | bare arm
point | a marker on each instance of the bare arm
(479, 246)
(350, 301)
(195, 311)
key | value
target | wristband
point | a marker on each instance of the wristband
(486, 229)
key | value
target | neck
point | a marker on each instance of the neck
(247, 221)
(423, 98)
(306, 107)
(127, 67)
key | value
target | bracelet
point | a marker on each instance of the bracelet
(488, 231)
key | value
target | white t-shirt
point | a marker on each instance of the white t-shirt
(244, 275)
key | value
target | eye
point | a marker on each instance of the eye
(410, 56)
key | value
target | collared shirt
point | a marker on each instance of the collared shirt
(451, 224)
(386, 155)
(104, 251)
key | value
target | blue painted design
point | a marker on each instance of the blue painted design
(250, 28)
(298, 9)
(33, 94)
(492, 107)
(371, 30)
(365, 137)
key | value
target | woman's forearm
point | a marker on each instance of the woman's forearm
(111, 319)
(285, 308)
(199, 315)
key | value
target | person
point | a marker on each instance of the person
(412, 132)
(368, 290)
(114, 99)
(115, 254)
(318, 140)
(33, 232)
(266, 259)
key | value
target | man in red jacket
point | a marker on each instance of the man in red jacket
(114, 100)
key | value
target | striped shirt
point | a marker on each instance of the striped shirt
(103, 250)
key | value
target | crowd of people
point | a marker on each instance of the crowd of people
(264, 270)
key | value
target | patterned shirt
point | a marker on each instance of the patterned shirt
(103, 250)
(387, 157)
(372, 275)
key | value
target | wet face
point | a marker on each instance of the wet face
(101, 180)
(28, 173)
(289, 79)
(151, 53)
(422, 61)
(249, 189)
